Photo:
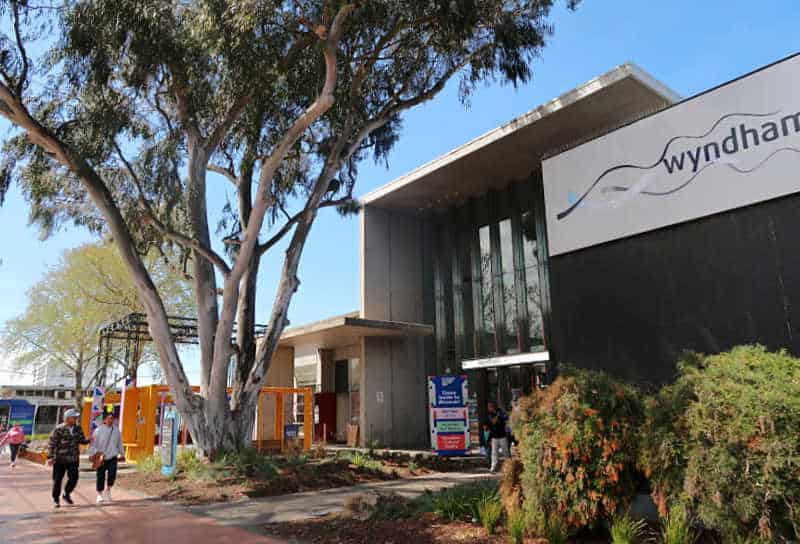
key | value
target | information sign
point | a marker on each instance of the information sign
(449, 414)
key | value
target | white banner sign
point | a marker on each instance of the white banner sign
(733, 146)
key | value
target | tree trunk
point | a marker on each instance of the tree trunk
(79, 392)
(205, 281)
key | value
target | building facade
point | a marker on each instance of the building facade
(560, 237)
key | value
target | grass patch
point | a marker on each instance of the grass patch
(517, 525)
(248, 463)
(626, 530)
(363, 460)
(490, 510)
(676, 528)
(462, 502)
(150, 466)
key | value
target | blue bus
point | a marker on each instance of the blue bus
(18, 411)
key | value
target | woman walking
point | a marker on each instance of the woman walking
(106, 448)
(15, 438)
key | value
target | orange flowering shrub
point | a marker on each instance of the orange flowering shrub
(578, 445)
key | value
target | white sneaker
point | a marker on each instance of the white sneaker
(108, 495)
(99, 499)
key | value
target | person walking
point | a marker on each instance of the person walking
(64, 456)
(15, 438)
(498, 433)
(104, 452)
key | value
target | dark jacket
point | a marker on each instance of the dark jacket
(64, 444)
(497, 424)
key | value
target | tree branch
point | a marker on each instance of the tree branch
(151, 219)
(219, 132)
(23, 77)
(226, 172)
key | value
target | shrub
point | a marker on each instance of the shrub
(732, 447)
(249, 463)
(490, 510)
(149, 465)
(676, 528)
(517, 524)
(578, 443)
(363, 461)
(626, 530)
(555, 531)
(191, 466)
(462, 501)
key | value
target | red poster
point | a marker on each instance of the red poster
(451, 442)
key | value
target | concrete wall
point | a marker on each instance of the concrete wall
(396, 285)
(393, 409)
(392, 256)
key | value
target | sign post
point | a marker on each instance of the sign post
(449, 415)
(96, 417)
(169, 441)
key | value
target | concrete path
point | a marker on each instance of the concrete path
(27, 516)
(299, 506)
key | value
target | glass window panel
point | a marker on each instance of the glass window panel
(355, 375)
(509, 294)
(468, 321)
(487, 301)
(532, 287)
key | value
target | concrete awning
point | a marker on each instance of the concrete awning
(348, 329)
(513, 151)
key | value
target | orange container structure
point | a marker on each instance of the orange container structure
(140, 418)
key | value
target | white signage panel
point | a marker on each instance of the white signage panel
(733, 146)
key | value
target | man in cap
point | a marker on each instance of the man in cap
(64, 455)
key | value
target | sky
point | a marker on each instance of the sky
(688, 45)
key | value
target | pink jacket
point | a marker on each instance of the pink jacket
(14, 436)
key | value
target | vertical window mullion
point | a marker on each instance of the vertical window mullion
(497, 276)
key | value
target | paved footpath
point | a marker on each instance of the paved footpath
(254, 513)
(27, 516)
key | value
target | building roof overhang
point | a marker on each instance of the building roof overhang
(348, 329)
(514, 150)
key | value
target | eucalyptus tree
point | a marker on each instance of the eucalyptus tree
(120, 123)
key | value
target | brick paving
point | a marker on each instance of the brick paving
(27, 516)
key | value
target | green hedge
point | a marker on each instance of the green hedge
(724, 440)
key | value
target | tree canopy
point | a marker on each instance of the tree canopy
(137, 100)
(89, 288)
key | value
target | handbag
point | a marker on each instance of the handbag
(98, 458)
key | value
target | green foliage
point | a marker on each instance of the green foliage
(363, 460)
(626, 530)
(191, 466)
(248, 463)
(517, 525)
(578, 442)
(490, 510)
(461, 502)
(677, 528)
(150, 466)
(555, 531)
(730, 445)
(89, 288)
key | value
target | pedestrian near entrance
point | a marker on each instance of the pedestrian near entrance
(64, 456)
(104, 452)
(15, 438)
(498, 435)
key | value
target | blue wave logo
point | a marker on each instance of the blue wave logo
(700, 158)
